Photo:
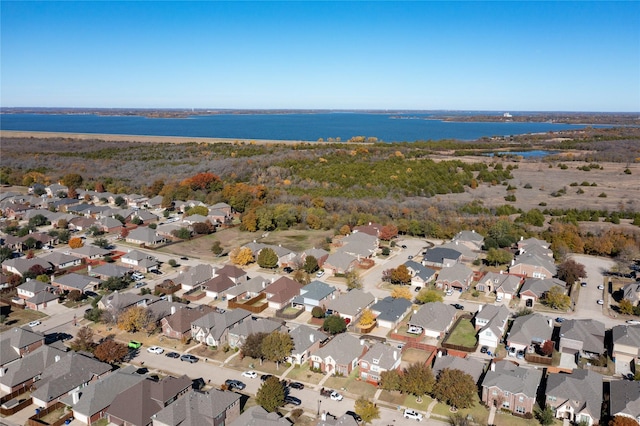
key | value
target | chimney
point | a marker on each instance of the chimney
(395, 355)
(473, 231)
(75, 397)
(521, 238)
(2, 371)
(415, 311)
(439, 354)
(513, 262)
(361, 342)
(170, 298)
(501, 272)
(550, 322)
(173, 310)
(312, 338)
(493, 366)
(479, 308)
(323, 416)
(264, 284)
(57, 358)
(375, 300)
(273, 279)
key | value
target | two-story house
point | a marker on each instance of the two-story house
(511, 387)
(378, 359)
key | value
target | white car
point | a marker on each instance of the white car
(450, 292)
(600, 287)
(319, 273)
(633, 322)
(412, 415)
(137, 276)
(600, 302)
(34, 323)
(155, 350)
(336, 396)
(250, 374)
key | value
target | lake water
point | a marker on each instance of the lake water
(309, 127)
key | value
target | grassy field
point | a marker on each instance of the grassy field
(463, 335)
(412, 356)
(18, 317)
(304, 374)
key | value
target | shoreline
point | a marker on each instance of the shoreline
(142, 138)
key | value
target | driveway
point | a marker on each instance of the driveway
(587, 305)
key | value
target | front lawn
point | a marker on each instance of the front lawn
(479, 412)
(464, 334)
(302, 373)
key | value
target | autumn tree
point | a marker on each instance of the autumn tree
(417, 379)
(366, 409)
(267, 258)
(276, 346)
(241, 256)
(496, 256)
(75, 295)
(271, 394)
(455, 388)
(203, 181)
(136, 318)
(72, 180)
(547, 348)
(390, 380)
(571, 271)
(345, 230)
(83, 341)
(388, 232)
(199, 210)
(623, 421)
(625, 307)
(427, 295)
(310, 264)
(367, 318)
(334, 324)
(556, 299)
(302, 277)
(252, 346)
(201, 228)
(76, 242)
(111, 351)
(400, 292)
(400, 275)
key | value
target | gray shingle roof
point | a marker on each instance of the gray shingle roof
(343, 348)
(438, 254)
(581, 389)
(304, 336)
(258, 416)
(391, 309)
(471, 366)
(539, 286)
(386, 356)
(197, 408)
(628, 335)
(216, 323)
(590, 332)
(625, 398)
(433, 316)
(256, 325)
(531, 328)
(77, 281)
(351, 303)
(458, 272)
(509, 377)
(315, 290)
(15, 339)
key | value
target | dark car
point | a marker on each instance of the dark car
(296, 385)
(235, 384)
(355, 416)
(403, 246)
(559, 319)
(172, 355)
(189, 358)
(417, 289)
(484, 349)
(264, 377)
(287, 269)
(155, 271)
(292, 400)
(457, 306)
(184, 258)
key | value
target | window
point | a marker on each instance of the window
(364, 364)
(520, 410)
(521, 398)
(494, 392)
(376, 361)
(506, 394)
(551, 398)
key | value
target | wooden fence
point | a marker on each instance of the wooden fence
(36, 420)
(249, 304)
(280, 313)
(12, 406)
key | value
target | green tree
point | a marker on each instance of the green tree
(101, 242)
(556, 299)
(216, 248)
(271, 394)
(353, 279)
(390, 380)
(417, 379)
(428, 295)
(276, 346)
(267, 258)
(496, 256)
(500, 234)
(114, 283)
(182, 233)
(455, 388)
(545, 417)
(317, 312)
(5, 253)
(119, 201)
(367, 410)
(200, 210)
(334, 324)
(72, 180)
(38, 220)
(310, 264)
(30, 243)
(252, 346)
(626, 307)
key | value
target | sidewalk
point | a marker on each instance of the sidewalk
(324, 379)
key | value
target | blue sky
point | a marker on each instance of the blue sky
(504, 56)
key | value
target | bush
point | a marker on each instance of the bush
(602, 195)
(317, 312)
(627, 171)
(172, 263)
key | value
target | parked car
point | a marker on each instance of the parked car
(184, 258)
(410, 257)
(633, 322)
(583, 284)
(520, 354)
(288, 269)
(296, 385)
(250, 374)
(414, 330)
(403, 246)
(319, 273)
(512, 351)
(484, 349)
(133, 344)
(417, 289)
(600, 302)
(140, 284)
(355, 416)
(600, 287)
(335, 396)
(264, 377)
(172, 355)
(234, 384)
(292, 400)
(137, 276)
(34, 323)
(450, 292)
(559, 319)
(189, 358)
(326, 392)
(155, 271)
(155, 350)
(412, 415)
(499, 298)
(457, 306)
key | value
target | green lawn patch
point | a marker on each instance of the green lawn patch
(464, 334)
(479, 412)
(302, 373)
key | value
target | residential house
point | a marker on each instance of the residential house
(117, 302)
(626, 347)
(533, 265)
(20, 265)
(214, 407)
(144, 235)
(624, 399)
(378, 359)
(339, 356)
(108, 270)
(631, 292)
(82, 223)
(467, 254)
(350, 305)
(582, 337)
(145, 216)
(320, 255)
(137, 405)
(61, 261)
(529, 329)
(195, 276)
(16, 211)
(55, 188)
(534, 289)
(235, 274)
(177, 325)
(372, 229)
(511, 387)
(90, 403)
(110, 225)
(577, 396)
(213, 328)
(18, 342)
(89, 252)
(194, 218)
(306, 340)
(420, 274)
(328, 419)
(359, 245)
(281, 292)
(258, 416)
(440, 257)
(66, 373)
(504, 285)
(470, 239)
(389, 311)
(316, 293)
(238, 334)
(32, 287)
(531, 244)
(41, 301)
(339, 263)
(154, 202)
(457, 277)
(73, 281)
(217, 286)
(471, 366)
(491, 324)
(248, 289)
(434, 319)
(139, 261)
